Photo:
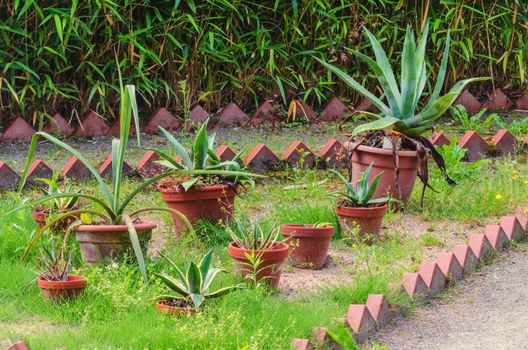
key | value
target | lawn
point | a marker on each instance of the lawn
(117, 308)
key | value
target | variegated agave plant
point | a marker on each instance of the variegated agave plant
(195, 284)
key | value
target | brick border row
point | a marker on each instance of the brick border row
(92, 124)
(262, 159)
(432, 277)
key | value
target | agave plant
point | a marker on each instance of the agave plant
(361, 196)
(402, 114)
(203, 157)
(54, 262)
(58, 204)
(195, 284)
(250, 235)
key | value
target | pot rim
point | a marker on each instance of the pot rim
(211, 188)
(298, 230)
(388, 152)
(350, 211)
(73, 282)
(140, 226)
(278, 253)
(161, 306)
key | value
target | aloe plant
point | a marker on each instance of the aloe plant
(195, 284)
(401, 114)
(361, 196)
(250, 235)
(203, 157)
(61, 204)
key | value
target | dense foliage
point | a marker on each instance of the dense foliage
(59, 56)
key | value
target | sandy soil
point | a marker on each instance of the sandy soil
(487, 310)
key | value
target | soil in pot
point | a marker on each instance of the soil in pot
(100, 243)
(383, 161)
(62, 290)
(213, 203)
(367, 220)
(308, 245)
(269, 270)
(176, 307)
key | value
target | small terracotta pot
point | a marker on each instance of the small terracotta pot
(368, 219)
(41, 218)
(106, 242)
(214, 203)
(308, 244)
(272, 260)
(163, 306)
(383, 161)
(62, 290)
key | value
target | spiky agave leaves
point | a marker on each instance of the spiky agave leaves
(403, 99)
(195, 284)
(361, 196)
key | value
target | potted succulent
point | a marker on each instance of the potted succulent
(41, 212)
(55, 281)
(394, 142)
(192, 288)
(358, 208)
(256, 253)
(308, 244)
(109, 228)
(208, 195)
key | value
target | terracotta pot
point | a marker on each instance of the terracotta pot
(383, 160)
(272, 260)
(368, 219)
(308, 244)
(163, 306)
(57, 290)
(106, 242)
(214, 203)
(41, 218)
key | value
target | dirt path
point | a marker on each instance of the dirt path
(488, 310)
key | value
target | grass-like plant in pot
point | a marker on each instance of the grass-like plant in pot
(395, 142)
(193, 288)
(308, 243)
(358, 208)
(42, 212)
(257, 252)
(114, 229)
(208, 196)
(55, 280)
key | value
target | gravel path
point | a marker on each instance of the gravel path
(488, 310)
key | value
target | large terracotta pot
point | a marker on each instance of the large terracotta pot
(308, 244)
(367, 219)
(214, 203)
(101, 243)
(164, 306)
(62, 290)
(272, 260)
(383, 160)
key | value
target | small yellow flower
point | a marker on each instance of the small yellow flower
(526, 182)
(498, 196)
(525, 211)
(515, 177)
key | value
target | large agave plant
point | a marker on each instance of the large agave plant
(195, 284)
(402, 113)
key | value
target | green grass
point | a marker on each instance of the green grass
(117, 310)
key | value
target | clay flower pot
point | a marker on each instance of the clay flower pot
(40, 217)
(105, 242)
(383, 160)
(62, 290)
(214, 203)
(272, 260)
(172, 307)
(367, 219)
(308, 244)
